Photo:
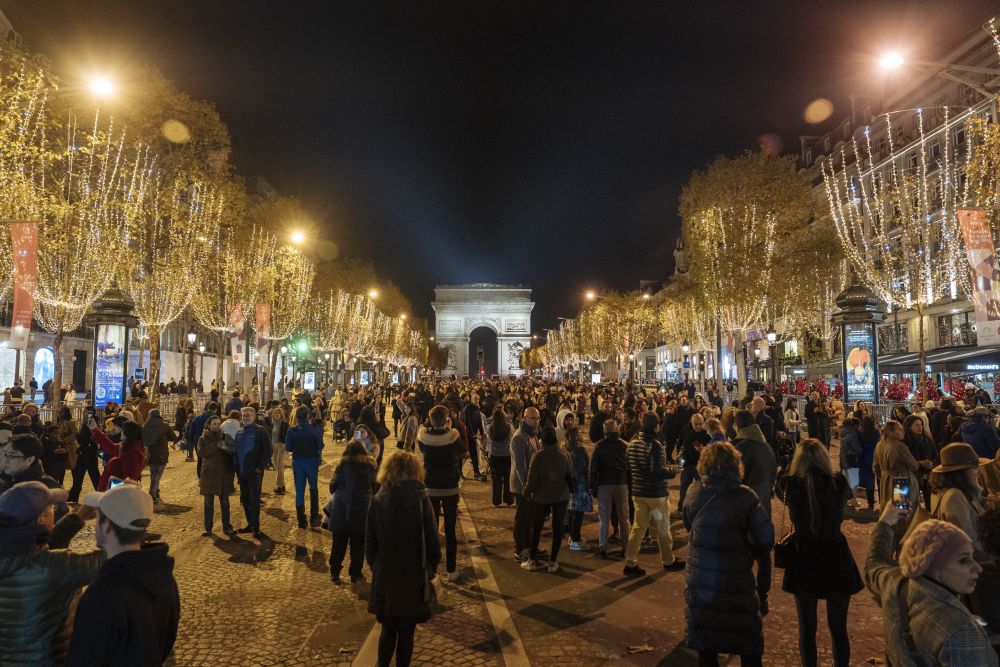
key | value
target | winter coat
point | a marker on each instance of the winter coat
(521, 450)
(37, 588)
(549, 476)
(953, 506)
(609, 463)
(691, 442)
(940, 428)
(408, 430)
(129, 615)
(893, 459)
(982, 436)
(647, 463)
(729, 531)
(760, 467)
(253, 449)
(156, 435)
(124, 464)
(217, 464)
(851, 450)
(304, 441)
(943, 630)
(821, 564)
(921, 446)
(402, 549)
(35, 473)
(500, 447)
(443, 454)
(351, 486)
(580, 500)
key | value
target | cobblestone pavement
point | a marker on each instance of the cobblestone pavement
(271, 602)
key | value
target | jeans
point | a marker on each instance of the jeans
(706, 659)
(339, 550)
(612, 496)
(278, 461)
(575, 524)
(86, 464)
(210, 512)
(836, 620)
(450, 505)
(558, 517)
(155, 474)
(688, 475)
(644, 509)
(306, 470)
(522, 522)
(500, 470)
(396, 637)
(250, 497)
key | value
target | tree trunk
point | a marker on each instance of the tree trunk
(154, 364)
(58, 372)
(142, 354)
(741, 367)
(923, 357)
(220, 362)
(273, 352)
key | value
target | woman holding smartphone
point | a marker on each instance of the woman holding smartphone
(895, 466)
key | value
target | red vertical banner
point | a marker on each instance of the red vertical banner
(24, 245)
(975, 226)
(263, 324)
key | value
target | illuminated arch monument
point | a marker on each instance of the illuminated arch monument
(504, 309)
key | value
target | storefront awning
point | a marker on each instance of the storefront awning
(946, 360)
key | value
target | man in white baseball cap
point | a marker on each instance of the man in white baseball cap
(129, 615)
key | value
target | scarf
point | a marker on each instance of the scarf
(530, 431)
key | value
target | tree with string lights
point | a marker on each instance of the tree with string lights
(896, 216)
(293, 274)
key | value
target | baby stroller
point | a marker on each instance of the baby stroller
(342, 427)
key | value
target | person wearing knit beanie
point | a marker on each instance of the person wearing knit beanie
(942, 552)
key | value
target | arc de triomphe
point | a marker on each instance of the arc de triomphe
(461, 309)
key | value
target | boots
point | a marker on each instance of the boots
(315, 520)
(300, 511)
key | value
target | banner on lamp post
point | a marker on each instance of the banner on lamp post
(979, 247)
(263, 322)
(24, 246)
(238, 341)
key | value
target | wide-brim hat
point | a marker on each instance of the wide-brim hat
(959, 456)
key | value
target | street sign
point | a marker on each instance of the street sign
(139, 374)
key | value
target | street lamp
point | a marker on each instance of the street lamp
(326, 359)
(201, 363)
(772, 337)
(102, 86)
(298, 237)
(685, 346)
(590, 295)
(191, 338)
(373, 293)
(894, 61)
(756, 361)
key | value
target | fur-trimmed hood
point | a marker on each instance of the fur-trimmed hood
(437, 437)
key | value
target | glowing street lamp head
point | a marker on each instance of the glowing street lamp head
(402, 316)
(373, 293)
(891, 61)
(102, 86)
(298, 237)
(590, 295)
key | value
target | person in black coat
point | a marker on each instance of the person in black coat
(819, 565)
(402, 549)
(729, 532)
(351, 486)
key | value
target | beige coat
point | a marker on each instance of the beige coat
(894, 459)
(952, 506)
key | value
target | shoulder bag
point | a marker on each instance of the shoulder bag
(784, 549)
(430, 582)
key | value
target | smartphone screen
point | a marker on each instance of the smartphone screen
(680, 464)
(114, 481)
(901, 492)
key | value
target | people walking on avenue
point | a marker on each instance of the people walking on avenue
(760, 469)
(443, 455)
(304, 442)
(130, 613)
(729, 531)
(547, 490)
(156, 436)
(609, 474)
(523, 444)
(499, 434)
(253, 451)
(647, 462)
(580, 501)
(819, 566)
(351, 489)
(215, 450)
(402, 550)
(279, 431)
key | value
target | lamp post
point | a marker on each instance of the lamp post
(326, 374)
(756, 361)
(772, 337)
(191, 338)
(284, 353)
(201, 363)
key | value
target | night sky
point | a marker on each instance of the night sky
(542, 143)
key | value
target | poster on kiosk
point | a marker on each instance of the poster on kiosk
(859, 362)
(109, 365)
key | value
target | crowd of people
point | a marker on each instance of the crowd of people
(551, 451)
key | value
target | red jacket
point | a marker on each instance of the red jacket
(125, 464)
